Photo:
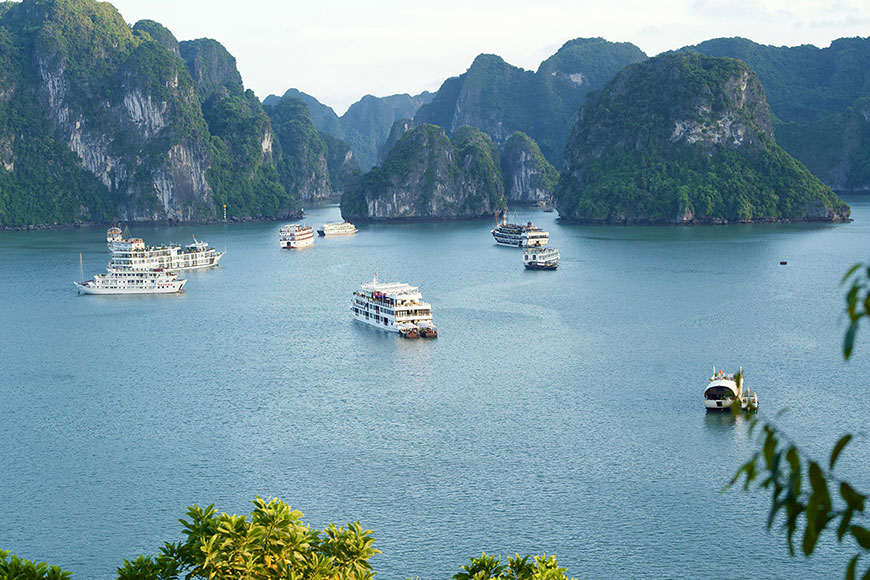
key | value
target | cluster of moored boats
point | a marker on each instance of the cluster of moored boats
(135, 268)
(537, 255)
(295, 236)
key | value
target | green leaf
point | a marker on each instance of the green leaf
(850, 571)
(838, 448)
(849, 340)
(852, 497)
(851, 271)
(862, 535)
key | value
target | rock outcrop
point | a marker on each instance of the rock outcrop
(428, 177)
(528, 176)
(818, 97)
(501, 99)
(685, 138)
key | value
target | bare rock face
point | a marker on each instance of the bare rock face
(428, 177)
(528, 176)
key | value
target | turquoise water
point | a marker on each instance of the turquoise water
(557, 411)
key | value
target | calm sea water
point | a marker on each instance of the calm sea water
(558, 411)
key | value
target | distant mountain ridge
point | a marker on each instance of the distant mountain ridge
(501, 99)
(366, 124)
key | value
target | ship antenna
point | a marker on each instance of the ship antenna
(81, 271)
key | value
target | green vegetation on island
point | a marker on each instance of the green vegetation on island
(818, 97)
(426, 176)
(685, 138)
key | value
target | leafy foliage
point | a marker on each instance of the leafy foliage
(271, 544)
(545, 177)
(806, 492)
(14, 568)
(488, 567)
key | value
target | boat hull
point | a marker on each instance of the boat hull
(172, 288)
(540, 266)
(294, 245)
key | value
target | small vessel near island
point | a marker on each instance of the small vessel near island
(117, 281)
(395, 307)
(294, 236)
(522, 236)
(541, 258)
(337, 229)
(724, 388)
(132, 253)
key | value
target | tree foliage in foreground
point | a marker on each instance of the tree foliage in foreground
(14, 568)
(488, 567)
(806, 492)
(271, 544)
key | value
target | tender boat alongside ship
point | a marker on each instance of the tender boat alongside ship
(541, 258)
(337, 229)
(395, 307)
(724, 388)
(523, 236)
(134, 254)
(115, 281)
(294, 236)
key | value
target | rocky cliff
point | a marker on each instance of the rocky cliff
(818, 97)
(528, 176)
(100, 121)
(685, 138)
(426, 176)
(501, 99)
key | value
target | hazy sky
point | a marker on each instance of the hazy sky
(340, 50)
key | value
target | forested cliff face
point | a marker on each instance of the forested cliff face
(101, 122)
(685, 138)
(427, 175)
(818, 97)
(501, 99)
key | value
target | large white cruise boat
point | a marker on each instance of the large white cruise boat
(395, 307)
(523, 236)
(541, 258)
(133, 253)
(114, 281)
(296, 236)
(337, 229)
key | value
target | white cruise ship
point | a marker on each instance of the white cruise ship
(337, 229)
(155, 281)
(395, 307)
(523, 236)
(133, 253)
(296, 236)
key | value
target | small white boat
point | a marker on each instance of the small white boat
(295, 236)
(337, 229)
(541, 258)
(523, 236)
(724, 388)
